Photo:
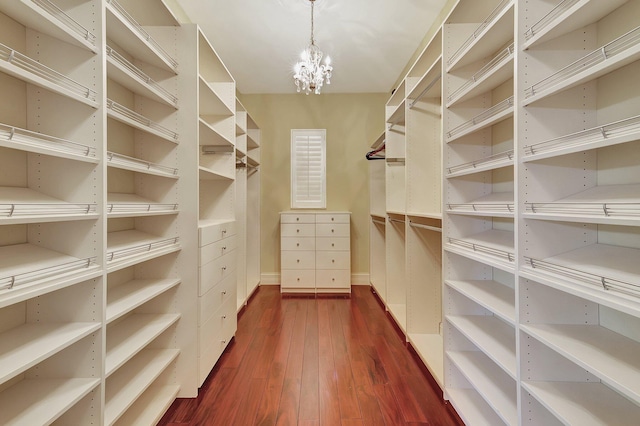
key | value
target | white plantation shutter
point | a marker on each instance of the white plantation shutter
(308, 169)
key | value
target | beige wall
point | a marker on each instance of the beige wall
(353, 122)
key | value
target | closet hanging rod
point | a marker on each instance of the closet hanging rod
(426, 89)
(420, 225)
(379, 222)
(395, 220)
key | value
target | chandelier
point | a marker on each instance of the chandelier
(310, 73)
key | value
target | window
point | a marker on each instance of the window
(308, 169)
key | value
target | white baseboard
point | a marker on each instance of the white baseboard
(360, 279)
(274, 279)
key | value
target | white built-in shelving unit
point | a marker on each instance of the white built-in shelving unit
(378, 214)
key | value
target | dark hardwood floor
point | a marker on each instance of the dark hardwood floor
(315, 361)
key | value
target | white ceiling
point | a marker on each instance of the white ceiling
(369, 41)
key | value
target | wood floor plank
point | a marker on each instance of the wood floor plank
(248, 407)
(289, 402)
(309, 391)
(388, 404)
(371, 413)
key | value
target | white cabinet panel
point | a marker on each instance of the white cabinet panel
(297, 230)
(332, 230)
(294, 243)
(298, 260)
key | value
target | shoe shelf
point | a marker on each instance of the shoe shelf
(25, 205)
(607, 58)
(125, 162)
(497, 71)
(129, 247)
(149, 408)
(129, 382)
(138, 121)
(494, 32)
(472, 408)
(128, 296)
(128, 337)
(496, 161)
(131, 205)
(491, 116)
(121, 70)
(497, 298)
(565, 17)
(212, 101)
(31, 71)
(39, 143)
(124, 30)
(210, 135)
(47, 17)
(429, 85)
(493, 247)
(497, 204)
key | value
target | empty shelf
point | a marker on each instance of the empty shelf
(497, 113)
(209, 135)
(24, 346)
(608, 355)
(611, 268)
(567, 16)
(496, 72)
(498, 204)
(26, 264)
(45, 17)
(125, 386)
(128, 296)
(138, 121)
(125, 31)
(129, 205)
(42, 401)
(618, 132)
(496, 297)
(128, 75)
(472, 408)
(124, 162)
(127, 338)
(429, 85)
(24, 205)
(487, 246)
(26, 140)
(126, 248)
(210, 101)
(24, 68)
(210, 174)
(492, 336)
(575, 403)
(398, 115)
(497, 389)
(618, 204)
(497, 161)
(616, 54)
(150, 407)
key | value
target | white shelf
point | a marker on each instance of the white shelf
(492, 75)
(398, 115)
(494, 32)
(209, 174)
(42, 401)
(496, 161)
(607, 267)
(576, 403)
(127, 338)
(150, 407)
(430, 349)
(492, 336)
(28, 265)
(211, 102)
(497, 113)
(24, 346)
(429, 85)
(125, 386)
(489, 294)
(399, 313)
(472, 408)
(567, 16)
(138, 121)
(124, 162)
(127, 248)
(125, 31)
(24, 68)
(26, 140)
(210, 136)
(608, 355)
(618, 132)
(252, 143)
(130, 205)
(119, 69)
(24, 205)
(487, 246)
(497, 389)
(612, 204)
(496, 204)
(45, 17)
(128, 296)
(616, 54)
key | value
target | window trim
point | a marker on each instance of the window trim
(316, 204)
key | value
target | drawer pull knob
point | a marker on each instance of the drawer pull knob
(333, 245)
(224, 342)
(331, 219)
(333, 279)
(224, 248)
(224, 231)
(224, 268)
(298, 279)
(298, 260)
(224, 317)
(224, 292)
(297, 230)
(297, 244)
(333, 260)
(297, 219)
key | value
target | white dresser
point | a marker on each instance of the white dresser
(315, 252)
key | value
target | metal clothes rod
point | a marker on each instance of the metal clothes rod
(379, 222)
(426, 89)
(396, 220)
(430, 228)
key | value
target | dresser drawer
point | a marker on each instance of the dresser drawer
(213, 299)
(297, 278)
(216, 249)
(333, 218)
(298, 260)
(297, 230)
(333, 243)
(216, 332)
(301, 243)
(340, 278)
(332, 230)
(216, 231)
(333, 260)
(297, 218)
(215, 271)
